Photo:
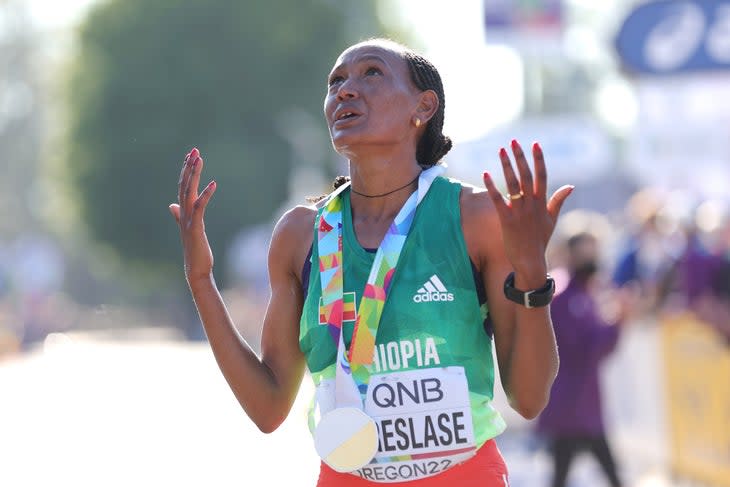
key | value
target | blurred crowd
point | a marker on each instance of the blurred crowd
(672, 253)
(676, 252)
(664, 260)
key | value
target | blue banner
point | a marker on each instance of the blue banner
(669, 37)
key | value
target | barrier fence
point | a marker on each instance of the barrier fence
(697, 374)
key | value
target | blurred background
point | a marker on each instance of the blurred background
(105, 375)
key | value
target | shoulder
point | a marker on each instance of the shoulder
(479, 222)
(476, 205)
(296, 221)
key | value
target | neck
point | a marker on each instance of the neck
(381, 186)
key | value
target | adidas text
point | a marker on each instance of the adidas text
(433, 290)
(427, 297)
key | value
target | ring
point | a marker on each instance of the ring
(515, 196)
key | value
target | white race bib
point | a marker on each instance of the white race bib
(423, 419)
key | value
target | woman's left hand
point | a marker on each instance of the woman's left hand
(527, 217)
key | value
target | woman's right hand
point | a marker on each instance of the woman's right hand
(188, 213)
(265, 386)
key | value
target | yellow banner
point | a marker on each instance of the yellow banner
(697, 365)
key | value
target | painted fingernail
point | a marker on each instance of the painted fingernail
(515, 145)
(195, 152)
(536, 147)
(502, 151)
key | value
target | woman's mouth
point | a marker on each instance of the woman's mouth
(345, 117)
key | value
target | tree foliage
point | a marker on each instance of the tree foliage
(154, 79)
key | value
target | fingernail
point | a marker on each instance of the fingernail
(536, 147)
(502, 151)
(515, 144)
(485, 174)
(195, 152)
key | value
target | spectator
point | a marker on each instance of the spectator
(704, 268)
(647, 259)
(573, 420)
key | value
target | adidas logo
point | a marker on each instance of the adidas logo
(433, 290)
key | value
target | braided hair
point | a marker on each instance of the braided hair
(433, 144)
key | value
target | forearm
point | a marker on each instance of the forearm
(525, 220)
(250, 379)
(534, 359)
(533, 362)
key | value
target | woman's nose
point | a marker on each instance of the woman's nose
(346, 90)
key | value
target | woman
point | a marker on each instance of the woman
(572, 421)
(413, 389)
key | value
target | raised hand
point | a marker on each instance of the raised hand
(527, 217)
(188, 213)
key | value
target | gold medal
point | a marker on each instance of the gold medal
(346, 439)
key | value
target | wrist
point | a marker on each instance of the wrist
(534, 297)
(531, 277)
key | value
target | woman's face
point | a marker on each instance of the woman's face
(370, 99)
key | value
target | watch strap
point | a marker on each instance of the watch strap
(529, 299)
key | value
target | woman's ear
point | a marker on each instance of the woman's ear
(427, 105)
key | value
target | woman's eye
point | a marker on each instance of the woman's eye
(334, 80)
(373, 70)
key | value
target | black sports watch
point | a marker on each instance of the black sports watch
(529, 299)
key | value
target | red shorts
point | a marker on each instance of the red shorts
(485, 469)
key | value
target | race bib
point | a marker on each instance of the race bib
(424, 423)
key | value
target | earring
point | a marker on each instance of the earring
(417, 122)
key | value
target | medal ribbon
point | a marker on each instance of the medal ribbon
(352, 372)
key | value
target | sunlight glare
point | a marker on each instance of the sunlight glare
(617, 105)
(483, 83)
(52, 14)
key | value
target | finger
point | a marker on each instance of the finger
(181, 179)
(557, 200)
(202, 202)
(540, 173)
(195, 173)
(175, 210)
(497, 199)
(523, 168)
(513, 185)
(188, 197)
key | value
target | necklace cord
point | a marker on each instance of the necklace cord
(389, 192)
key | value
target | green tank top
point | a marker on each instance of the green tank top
(431, 349)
